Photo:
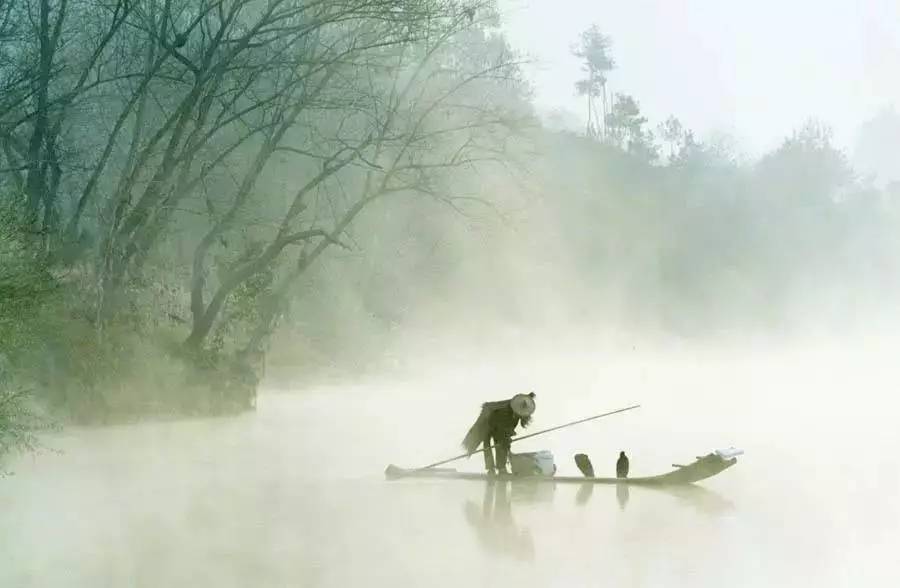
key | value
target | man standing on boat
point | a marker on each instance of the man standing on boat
(497, 422)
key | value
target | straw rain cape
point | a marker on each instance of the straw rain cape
(479, 430)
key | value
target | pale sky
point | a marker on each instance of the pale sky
(753, 68)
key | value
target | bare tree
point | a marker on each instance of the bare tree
(247, 75)
(41, 86)
(445, 112)
(150, 122)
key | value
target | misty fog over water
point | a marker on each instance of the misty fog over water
(253, 252)
(293, 496)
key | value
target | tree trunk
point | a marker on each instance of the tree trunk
(36, 181)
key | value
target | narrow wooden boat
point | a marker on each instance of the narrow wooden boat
(704, 467)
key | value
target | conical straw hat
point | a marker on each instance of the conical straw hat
(522, 404)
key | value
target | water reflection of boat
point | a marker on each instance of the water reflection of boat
(702, 499)
(494, 524)
(704, 467)
(533, 493)
(586, 492)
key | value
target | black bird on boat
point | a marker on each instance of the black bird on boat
(622, 465)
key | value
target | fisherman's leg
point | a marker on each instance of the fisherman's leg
(503, 444)
(488, 456)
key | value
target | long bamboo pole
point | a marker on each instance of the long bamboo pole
(522, 438)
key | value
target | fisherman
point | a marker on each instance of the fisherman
(497, 422)
(622, 465)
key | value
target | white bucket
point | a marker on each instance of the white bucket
(539, 463)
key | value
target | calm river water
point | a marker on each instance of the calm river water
(294, 494)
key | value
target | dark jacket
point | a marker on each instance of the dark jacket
(496, 420)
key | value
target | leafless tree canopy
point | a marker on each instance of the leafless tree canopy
(234, 137)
